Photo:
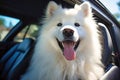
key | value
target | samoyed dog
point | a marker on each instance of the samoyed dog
(68, 46)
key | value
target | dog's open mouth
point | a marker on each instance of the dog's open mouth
(69, 48)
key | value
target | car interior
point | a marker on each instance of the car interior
(15, 54)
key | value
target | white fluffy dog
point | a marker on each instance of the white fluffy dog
(68, 46)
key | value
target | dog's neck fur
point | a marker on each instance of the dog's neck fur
(51, 66)
(54, 66)
(60, 69)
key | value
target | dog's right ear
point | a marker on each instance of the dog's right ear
(85, 8)
(51, 8)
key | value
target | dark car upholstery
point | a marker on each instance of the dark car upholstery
(15, 61)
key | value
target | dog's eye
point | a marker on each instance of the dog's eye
(59, 24)
(77, 24)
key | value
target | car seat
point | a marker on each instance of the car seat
(15, 61)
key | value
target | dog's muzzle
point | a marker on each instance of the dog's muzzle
(68, 45)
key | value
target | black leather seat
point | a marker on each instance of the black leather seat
(16, 60)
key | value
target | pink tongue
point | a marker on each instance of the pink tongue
(69, 52)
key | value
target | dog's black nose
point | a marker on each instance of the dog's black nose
(68, 32)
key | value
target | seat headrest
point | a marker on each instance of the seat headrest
(107, 44)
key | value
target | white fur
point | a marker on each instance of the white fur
(48, 62)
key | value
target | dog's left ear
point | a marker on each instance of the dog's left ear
(85, 8)
(51, 8)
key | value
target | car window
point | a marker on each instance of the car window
(6, 24)
(30, 31)
(113, 6)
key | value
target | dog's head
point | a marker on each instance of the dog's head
(68, 26)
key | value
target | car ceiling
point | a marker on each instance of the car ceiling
(25, 9)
